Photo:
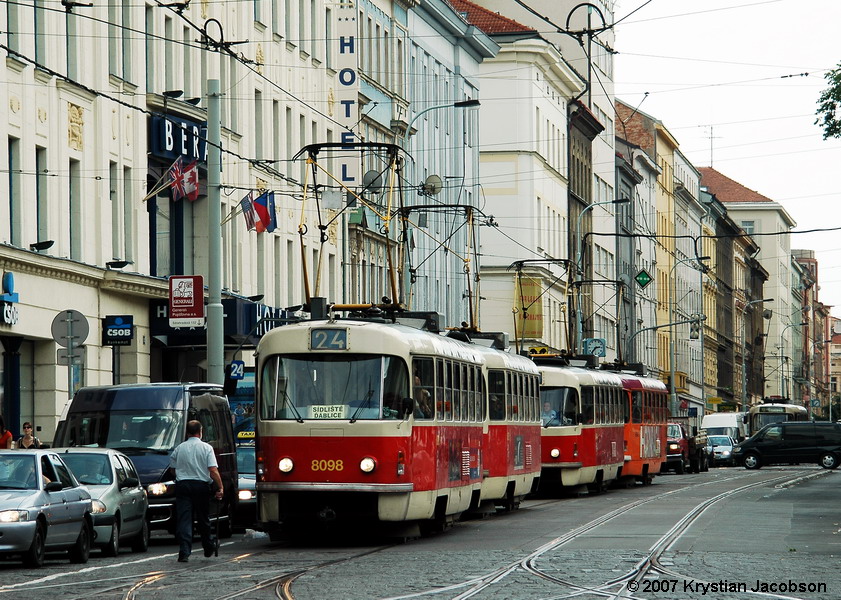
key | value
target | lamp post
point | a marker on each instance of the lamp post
(700, 266)
(782, 351)
(745, 349)
(579, 268)
(459, 104)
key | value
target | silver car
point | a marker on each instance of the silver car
(43, 508)
(119, 501)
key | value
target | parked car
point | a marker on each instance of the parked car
(43, 508)
(119, 500)
(792, 442)
(246, 515)
(720, 450)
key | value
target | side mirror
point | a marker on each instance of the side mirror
(407, 407)
(53, 486)
(129, 482)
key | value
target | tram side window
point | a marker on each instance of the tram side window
(439, 388)
(496, 393)
(509, 396)
(448, 390)
(588, 407)
(424, 387)
(480, 395)
(471, 393)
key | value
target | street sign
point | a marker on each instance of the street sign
(642, 278)
(237, 369)
(70, 328)
(186, 301)
(816, 402)
(65, 357)
(715, 400)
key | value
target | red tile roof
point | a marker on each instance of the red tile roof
(489, 22)
(727, 190)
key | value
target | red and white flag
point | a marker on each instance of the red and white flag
(184, 180)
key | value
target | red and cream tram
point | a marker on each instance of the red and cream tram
(645, 407)
(362, 420)
(583, 431)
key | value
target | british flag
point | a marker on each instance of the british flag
(184, 180)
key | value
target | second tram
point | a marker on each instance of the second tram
(760, 415)
(645, 407)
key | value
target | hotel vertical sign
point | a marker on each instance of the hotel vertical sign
(347, 92)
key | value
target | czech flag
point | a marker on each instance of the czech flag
(265, 209)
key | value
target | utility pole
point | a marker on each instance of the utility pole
(215, 314)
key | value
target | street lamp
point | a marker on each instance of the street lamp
(701, 267)
(745, 349)
(782, 351)
(459, 104)
(579, 268)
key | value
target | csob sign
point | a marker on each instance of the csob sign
(9, 299)
(186, 301)
(172, 137)
(117, 330)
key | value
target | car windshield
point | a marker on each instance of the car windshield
(18, 472)
(89, 468)
(719, 440)
(245, 460)
(156, 430)
(674, 431)
(333, 387)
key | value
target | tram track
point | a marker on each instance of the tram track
(620, 586)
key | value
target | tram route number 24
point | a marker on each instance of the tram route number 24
(328, 339)
(327, 465)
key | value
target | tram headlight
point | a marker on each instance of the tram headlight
(555, 452)
(367, 464)
(285, 465)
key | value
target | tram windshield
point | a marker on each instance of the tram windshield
(560, 405)
(334, 387)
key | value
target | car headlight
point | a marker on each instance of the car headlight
(674, 446)
(13, 516)
(554, 453)
(367, 464)
(160, 488)
(726, 453)
(246, 494)
(97, 507)
(285, 465)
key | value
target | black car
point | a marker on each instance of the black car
(792, 442)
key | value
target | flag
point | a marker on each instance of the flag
(246, 206)
(265, 210)
(184, 180)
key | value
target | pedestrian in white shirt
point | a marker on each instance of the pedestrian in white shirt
(196, 470)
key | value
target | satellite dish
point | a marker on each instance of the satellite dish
(432, 186)
(372, 182)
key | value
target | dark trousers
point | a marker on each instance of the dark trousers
(192, 502)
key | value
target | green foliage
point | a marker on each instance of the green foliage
(829, 103)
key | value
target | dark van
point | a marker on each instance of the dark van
(792, 442)
(146, 422)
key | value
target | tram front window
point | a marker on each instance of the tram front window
(333, 387)
(560, 405)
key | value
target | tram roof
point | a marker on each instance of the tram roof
(577, 375)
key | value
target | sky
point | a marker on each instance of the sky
(737, 83)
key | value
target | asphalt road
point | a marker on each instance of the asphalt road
(725, 534)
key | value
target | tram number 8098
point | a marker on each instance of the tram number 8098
(327, 465)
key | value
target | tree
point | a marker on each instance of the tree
(829, 105)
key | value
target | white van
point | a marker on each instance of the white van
(725, 423)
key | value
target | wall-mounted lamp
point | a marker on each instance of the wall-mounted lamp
(256, 298)
(193, 101)
(171, 95)
(42, 245)
(117, 264)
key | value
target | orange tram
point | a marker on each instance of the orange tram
(386, 419)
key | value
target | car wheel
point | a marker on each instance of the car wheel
(81, 550)
(141, 541)
(112, 548)
(752, 461)
(828, 460)
(34, 557)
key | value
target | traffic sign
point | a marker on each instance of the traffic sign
(70, 328)
(66, 357)
(237, 369)
(643, 278)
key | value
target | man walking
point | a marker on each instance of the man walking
(195, 469)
